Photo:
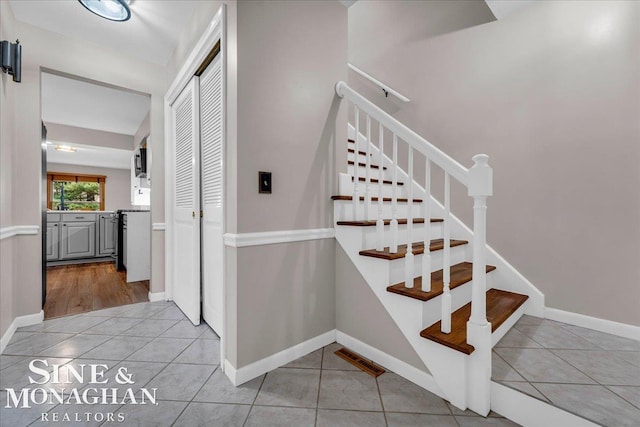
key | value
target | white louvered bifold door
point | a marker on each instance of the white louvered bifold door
(186, 202)
(212, 155)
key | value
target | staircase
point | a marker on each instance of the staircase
(425, 266)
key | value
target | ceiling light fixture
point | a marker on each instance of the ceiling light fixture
(113, 10)
(66, 148)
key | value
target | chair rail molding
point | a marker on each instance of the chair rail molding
(273, 237)
(17, 230)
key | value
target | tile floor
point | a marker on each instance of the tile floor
(589, 373)
(156, 343)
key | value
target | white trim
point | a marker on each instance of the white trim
(17, 230)
(18, 322)
(156, 296)
(269, 363)
(197, 56)
(377, 82)
(159, 226)
(273, 237)
(601, 325)
(408, 372)
(531, 412)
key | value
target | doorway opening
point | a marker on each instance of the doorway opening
(95, 195)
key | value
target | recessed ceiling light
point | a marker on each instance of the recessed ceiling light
(113, 10)
(66, 148)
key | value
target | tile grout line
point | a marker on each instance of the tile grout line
(194, 395)
(384, 412)
(264, 378)
(315, 423)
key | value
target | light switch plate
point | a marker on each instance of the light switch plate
(264, 182)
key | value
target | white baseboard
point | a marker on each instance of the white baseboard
(156, 296)
(601, 325)
(7, 336)
(408, 372)
(262, 366)
(531, 412)
(18, 322)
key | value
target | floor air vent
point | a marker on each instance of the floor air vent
(359, 362)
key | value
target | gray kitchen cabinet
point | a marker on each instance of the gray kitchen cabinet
(78, 239)
(106, 235)
(53, 241)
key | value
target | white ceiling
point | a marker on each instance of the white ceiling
(503, 8)
(87, 105)
(89, 155)
(151, 34)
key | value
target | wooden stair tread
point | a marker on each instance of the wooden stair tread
(351, 162)
(418, 248)
(500, 305)
(375, 180)
(375, 199)
(372, 223)
(459, 275)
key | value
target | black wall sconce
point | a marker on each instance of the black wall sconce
(11, 59)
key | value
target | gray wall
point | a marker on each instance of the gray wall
(7, 143)
(552, 95)
(290, 55)
(117, 187)
(286, 295)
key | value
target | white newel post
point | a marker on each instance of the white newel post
(478, 329)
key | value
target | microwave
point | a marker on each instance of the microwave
(140, 163)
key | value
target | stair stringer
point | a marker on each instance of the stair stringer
(506, 276)
(448, 367)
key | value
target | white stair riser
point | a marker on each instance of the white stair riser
(373, 173)
(375, 191)
(345, 210)
(369, 234)
(397, 266)
(460, 296)
(363, 158)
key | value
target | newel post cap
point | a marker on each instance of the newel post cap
(480, 177)
(339, 87)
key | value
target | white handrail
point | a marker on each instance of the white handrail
(438, 157)
(386, 89)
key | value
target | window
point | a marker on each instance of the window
(75, 192)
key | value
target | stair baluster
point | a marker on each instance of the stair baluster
(356, 178)
(394, 199)
(446, 267)
(380, 222)
(409, 258)
(367, 196)
(426, 204)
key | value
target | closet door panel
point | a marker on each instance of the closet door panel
(186, 202)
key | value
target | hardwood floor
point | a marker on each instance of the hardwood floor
(73, 289)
